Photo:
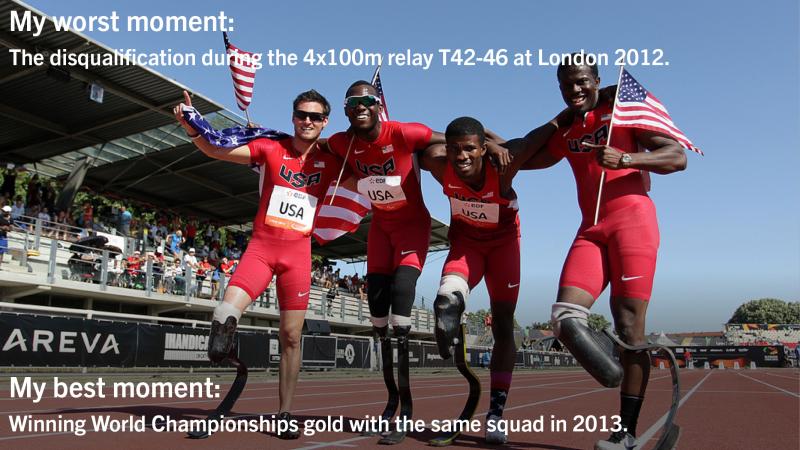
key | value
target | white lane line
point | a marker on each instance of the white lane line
(772, 386)
(781, 376)
(647, 435)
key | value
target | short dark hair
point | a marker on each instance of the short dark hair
(568, 64)
(359, 83)
(465, 126)
(313, 96)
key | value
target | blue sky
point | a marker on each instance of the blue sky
(729, 223)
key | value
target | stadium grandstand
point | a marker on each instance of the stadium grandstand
(108, 140)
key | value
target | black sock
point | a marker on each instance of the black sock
(497, 402)
(629, 408)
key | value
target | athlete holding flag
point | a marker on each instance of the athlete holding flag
(295, 174)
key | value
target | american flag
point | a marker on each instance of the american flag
(637, 108)
(376, 81)
(342, 217)
(243, 72)
(335, 220)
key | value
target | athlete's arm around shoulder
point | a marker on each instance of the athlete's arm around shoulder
(240, 155)
(434, 160)
(532, 150)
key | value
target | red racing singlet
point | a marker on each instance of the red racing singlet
(386, 168)
(292, 189)
(480, 215)
(619, 184)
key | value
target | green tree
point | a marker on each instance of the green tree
(767, 310)
(598, 322)
(541, 326)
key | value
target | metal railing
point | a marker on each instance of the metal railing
(105, 268)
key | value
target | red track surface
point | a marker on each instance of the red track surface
(722, 409)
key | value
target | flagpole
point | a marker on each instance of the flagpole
(341, 171)
(608, 142)
(247, 115)
(375, 75)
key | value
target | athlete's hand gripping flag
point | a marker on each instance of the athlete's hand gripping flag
(636, 107)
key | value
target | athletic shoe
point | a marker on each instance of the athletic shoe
(494, 437)
(289, 433)
(619, 440)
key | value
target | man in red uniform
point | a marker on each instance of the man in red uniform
(295, 174)
(621, 248)
(382, 156)
(484, 243)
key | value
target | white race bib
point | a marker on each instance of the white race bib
(482, 215)
(384, 192)
(291, 209)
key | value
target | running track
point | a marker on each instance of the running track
(721, 409)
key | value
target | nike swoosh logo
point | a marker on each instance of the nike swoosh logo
(358, 152)
(287, 157)
(453, 187)
(512, 286)
(302, 294)
(406, 252)
(624, 278)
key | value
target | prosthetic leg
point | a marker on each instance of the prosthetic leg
(220, 347)
(670, 431)
(474, 389)
(451, 339)
(388, 376)
(403, 384)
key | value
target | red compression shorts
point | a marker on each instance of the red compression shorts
(496, 261)
(289, 260)
(391, 244)
(621, 248)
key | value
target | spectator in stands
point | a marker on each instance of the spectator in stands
(174, 242)
(44, 218)
(331, 296)
(5, 227)
(87, 217)
(61, 224)
(202, 271)
(9, 187)
(125, 221)
(190, 259)
(226, 266)
(18, 210)
(362, 291)
(34, 196)
(191, 233)
(133, 265)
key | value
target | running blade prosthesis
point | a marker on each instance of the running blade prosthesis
(397, 436)
(670, 431)
(227, 403)
(474, 390)
(388, 378)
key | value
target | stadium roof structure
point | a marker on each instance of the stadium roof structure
(136, 150)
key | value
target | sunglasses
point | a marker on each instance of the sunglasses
(303, 115)
(366, 100)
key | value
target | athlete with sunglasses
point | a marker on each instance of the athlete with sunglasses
(382, 155)
(295, 174)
